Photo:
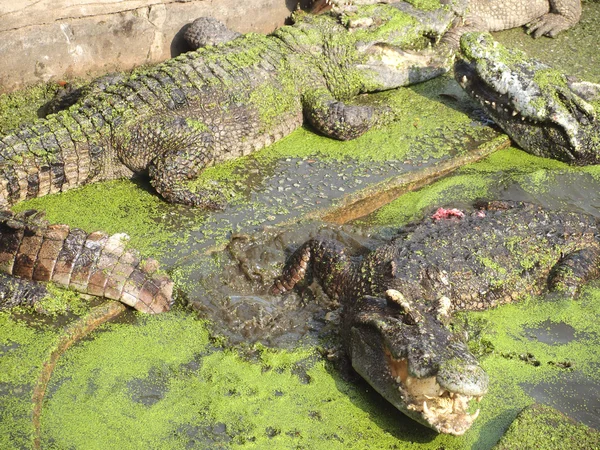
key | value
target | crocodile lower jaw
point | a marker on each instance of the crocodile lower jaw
(443, 410)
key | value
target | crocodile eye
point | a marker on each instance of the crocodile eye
(410, 315)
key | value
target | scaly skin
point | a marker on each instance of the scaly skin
(397, 299)
(95, 264)
(544, 111)
(217, 103)
(542, 17)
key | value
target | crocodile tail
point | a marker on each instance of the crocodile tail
(55, 154)
(94, 263)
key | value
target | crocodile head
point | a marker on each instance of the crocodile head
(545, 112)
(405, 353)
(381, 46)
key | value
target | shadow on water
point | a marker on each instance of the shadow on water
(382, 413)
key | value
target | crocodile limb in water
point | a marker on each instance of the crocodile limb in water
(217, 103)
(541, 17)
(544, 111)
(398, 299)
(95, 264)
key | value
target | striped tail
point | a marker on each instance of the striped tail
(95, 263)
(66, 150)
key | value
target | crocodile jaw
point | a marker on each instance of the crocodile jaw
(389, 66)
(443, 410)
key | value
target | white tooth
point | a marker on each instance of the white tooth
(514, 113)
(486, 102)
(425, 408)
(523, 118)
(476, 415)
(451, 394)
(479, 397)
(464, 79)
(493, 104)
(505, 110)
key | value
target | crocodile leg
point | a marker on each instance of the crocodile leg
(170, 173)
(174, 150)
(575, 269)
(562, 16)
(327, 261)
(334, 118)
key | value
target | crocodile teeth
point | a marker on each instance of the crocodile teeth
(479, 397)
(476, 415)
(493, 104)
(426, 408)
(463, 81)
(522, 118)
(514, 113)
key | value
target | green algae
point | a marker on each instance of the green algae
(542, 427)
(22, 106)
(167, 390)
(469, 183)
(426, 5)
(23, 350)
(114, 207)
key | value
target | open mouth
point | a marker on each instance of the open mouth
(499, 105)
(444, 410)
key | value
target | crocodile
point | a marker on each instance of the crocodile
(219, 102)
(398, 299)
(544, 111)
(97, 264)
(541, 17)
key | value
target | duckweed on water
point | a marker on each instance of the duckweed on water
(114, 207)
(469, 183)
(161, 385)
(541, 427)
(23, 351)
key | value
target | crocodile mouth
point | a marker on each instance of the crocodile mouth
(499, 105)
(443, 410)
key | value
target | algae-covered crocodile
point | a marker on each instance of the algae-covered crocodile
(542, 17)
(544, 111)
(95, 264)
(397, 299)
(219, 102)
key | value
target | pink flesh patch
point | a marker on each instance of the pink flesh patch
(443, 213)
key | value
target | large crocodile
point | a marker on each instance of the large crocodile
(397, 299)
(544, 111)
(95, 264)
(220, 102)
(542, 17)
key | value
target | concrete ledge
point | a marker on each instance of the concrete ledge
(48, 40)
